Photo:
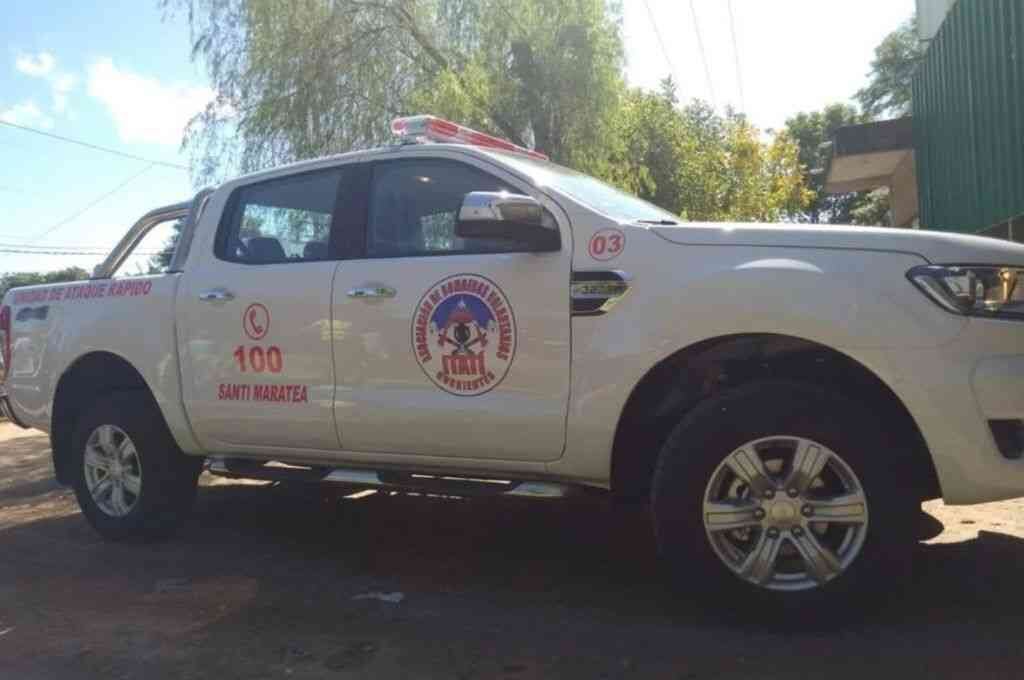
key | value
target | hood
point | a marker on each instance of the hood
(934, 246)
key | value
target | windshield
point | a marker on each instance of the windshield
(589, 191)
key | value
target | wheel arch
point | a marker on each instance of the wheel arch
(688, 377)
(87, 378)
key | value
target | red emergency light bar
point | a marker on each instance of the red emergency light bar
(439, 130)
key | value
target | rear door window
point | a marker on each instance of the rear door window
(281, 220)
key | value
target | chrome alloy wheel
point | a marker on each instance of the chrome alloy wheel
(785, 513)
(113, 471)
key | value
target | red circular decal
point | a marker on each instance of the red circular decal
(256, 321)
(606, 244)
(464, 335)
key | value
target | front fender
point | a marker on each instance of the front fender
(850, 301)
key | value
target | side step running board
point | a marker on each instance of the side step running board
(404, 481)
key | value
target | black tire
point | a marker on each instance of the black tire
(717, 428)
(169, 477)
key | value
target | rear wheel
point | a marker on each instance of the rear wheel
(131, 479)
(113, 471)
(783, 494)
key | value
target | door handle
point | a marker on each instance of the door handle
(373, 291)
(216, 295)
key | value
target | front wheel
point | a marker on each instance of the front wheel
(783, 494)
(131, 479)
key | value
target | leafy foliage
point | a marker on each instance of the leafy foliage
(811, 131)
(304, 78)
(698, 164)
(297, 79)
(888, 92)
(873, 208)
(539, 71)
(19, 279)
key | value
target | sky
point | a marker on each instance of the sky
(119, 75)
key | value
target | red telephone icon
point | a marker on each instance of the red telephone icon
(256, 327)
(256, 321)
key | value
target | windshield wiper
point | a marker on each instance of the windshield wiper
(658, 222)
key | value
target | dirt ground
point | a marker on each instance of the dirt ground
(265, 583)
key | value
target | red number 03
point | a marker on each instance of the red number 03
(259, 360)
(606, 244)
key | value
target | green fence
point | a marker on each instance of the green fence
(969, 118)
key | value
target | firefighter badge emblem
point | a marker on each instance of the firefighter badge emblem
(464, 335)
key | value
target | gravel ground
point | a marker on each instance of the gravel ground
(268, 582)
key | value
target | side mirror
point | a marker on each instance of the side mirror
(510, 217)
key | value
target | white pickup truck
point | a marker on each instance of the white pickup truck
(456, 314)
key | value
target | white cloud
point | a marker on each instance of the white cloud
(27, 113)
(44, 65)
(36, 65)
(143, 108)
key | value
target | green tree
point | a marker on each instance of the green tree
(303, 78)
(645, 146)
(888, 92)
(812, 131)
(873, 209)
(18, 279)
(764, 180)
(698, 164)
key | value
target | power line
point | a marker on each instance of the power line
(736, 57)
(661, 41)
(16, 251)
(43, 250)
(72, 253)
(54, 249)
(99, 252)
(98, 200)
(95, 147)
(703, 56)
(54, 246)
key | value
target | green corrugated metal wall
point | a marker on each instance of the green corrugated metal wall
(969, 118)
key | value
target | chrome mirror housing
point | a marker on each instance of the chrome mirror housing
(510, 217)
(494, 206)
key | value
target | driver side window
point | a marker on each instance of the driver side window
(414, 205)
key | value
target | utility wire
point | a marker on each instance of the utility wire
(95, 202)
(16, 251)
(661, 42)
(52, 246)
(736, 56)
(703, 56)
(72, 253)
(95, 147)
(49, 251)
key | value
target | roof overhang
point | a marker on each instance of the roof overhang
(867, 156)
(864, 171)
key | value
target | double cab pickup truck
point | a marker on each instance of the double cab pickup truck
(455, 314)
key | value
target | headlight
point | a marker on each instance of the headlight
(973, 290)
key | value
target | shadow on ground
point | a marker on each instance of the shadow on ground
(262, 582)
(25, 469)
